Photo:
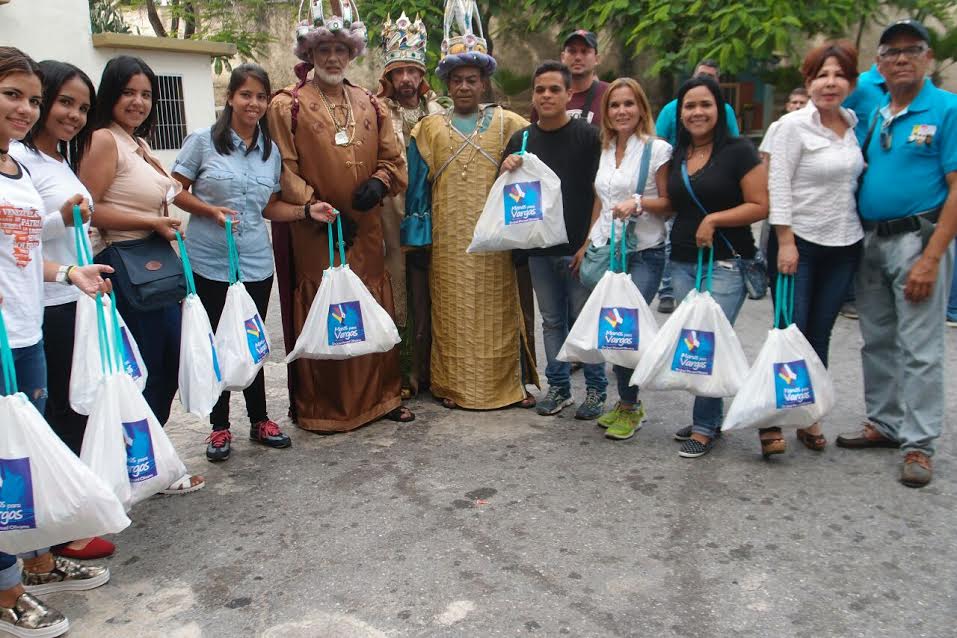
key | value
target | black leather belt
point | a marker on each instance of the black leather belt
(901, 225)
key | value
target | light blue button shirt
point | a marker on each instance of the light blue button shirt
(239, 181)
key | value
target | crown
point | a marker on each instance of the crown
(404, 40)
(343, 18)
(461, 20)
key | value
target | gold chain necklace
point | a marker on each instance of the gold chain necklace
(342, 136)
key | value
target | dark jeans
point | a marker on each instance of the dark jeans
(58, 334)
(157, 335)
(213, 295)
(823, 276)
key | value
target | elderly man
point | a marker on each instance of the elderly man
(908, 207)
(478, 333)
(408, 97)
(339, 154)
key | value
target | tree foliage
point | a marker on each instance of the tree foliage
(105, 17)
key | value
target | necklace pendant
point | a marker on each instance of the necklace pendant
(342, 138)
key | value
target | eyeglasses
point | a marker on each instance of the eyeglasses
(909, 53)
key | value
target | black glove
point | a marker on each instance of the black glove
(349, 230)
(368, 194)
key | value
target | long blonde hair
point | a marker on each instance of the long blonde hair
(646, 124)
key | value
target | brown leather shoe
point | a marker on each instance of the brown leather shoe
(916, 470)
(866, 437)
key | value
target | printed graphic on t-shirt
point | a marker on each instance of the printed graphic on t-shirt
(792, 384)
(345, 323)
(576, 114)
(140, 461)
(618, 329)
(23, 225)
(523, 202)
(130, 366)
(256, 338)
(694, 353)
(16, 495)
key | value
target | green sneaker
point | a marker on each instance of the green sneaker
(629, 422)
(609, 418)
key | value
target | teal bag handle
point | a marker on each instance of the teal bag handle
(622, 249)
(710, 276)
(524, 142)
(342, 249)
(84, 255)
(6, 360)
(784, 301)
(117, 334)
(187, 267)
(235, 274)
(106, 361)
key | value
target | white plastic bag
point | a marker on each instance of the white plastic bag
(344, 320)
(523, 210)
(615, 325)
(47, 496)
(242, 342)
(695, 350)
(200, 377)
(87, 369)
(126, 446)
(788, 385)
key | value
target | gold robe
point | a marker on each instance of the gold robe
(335, 396)
(478, 336)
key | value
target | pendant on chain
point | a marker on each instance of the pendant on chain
(342, 138)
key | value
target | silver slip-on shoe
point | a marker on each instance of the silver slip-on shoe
(67, 575)
(30, 618)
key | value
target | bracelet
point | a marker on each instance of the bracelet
(638, 209)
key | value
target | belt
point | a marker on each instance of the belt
(901, 225)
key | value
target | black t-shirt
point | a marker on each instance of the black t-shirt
(718, 187)
(573, 152)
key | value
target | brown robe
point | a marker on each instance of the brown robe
(334, 396)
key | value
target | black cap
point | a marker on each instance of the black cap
(590, 38)
(910, 27)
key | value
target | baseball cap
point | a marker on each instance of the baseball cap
(910, 27)
(590, 38)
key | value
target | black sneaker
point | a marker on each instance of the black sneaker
(692, 449)
(666, 305)
(683, 434)
(554, 402)
(218, 445)
(592, 407)
(268, 433)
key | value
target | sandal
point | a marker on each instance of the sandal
(407, 393)
(185, 484)
(401, 414)
(527, 403)
(815, 442)
(772, 442)
(448, 404)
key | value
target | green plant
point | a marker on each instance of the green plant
(106, 18)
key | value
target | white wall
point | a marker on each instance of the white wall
(60, 30)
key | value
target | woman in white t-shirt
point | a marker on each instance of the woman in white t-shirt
(627, 132)
(23, 270)
(50, 152)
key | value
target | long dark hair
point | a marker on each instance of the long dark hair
(721, 134)
(221, 133)
(116, 75)
(55, 75)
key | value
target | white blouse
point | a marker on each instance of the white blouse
(614, 184)
(813, 178)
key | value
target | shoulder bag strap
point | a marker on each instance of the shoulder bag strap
(704, 211)
(589, 98)
(645, 166)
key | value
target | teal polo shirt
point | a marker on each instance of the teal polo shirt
(665, 126)
(863, 100)
(910, 176)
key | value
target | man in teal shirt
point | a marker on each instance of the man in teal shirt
(908, 206)
(870, 93)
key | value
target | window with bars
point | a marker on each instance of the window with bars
(170, 129)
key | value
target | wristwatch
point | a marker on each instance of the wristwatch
(63, 275)
(638, 209)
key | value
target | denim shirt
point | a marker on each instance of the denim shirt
(238, 181)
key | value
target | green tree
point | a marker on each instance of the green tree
(105, 17)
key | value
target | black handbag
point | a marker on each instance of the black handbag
(147, 272)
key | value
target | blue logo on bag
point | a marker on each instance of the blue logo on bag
(140, 462)
(792, 384)
(523, 202)
(618, 329)
(694, 353)
(212, 345)
(345, 323)
(256, 338)
(16, 495)
(130, 366)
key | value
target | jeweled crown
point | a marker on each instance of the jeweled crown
(404, 40)
(463, 28)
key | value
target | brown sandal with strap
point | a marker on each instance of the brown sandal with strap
(772, 442)
(815, 442)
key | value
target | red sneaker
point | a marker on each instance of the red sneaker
(96, 548)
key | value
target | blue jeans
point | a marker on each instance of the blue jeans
(729, 291)
(157, 334)
(821, 284)
(952, 297)
(645, 268)
(30, 364)
(666, 291)
(561, 297)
